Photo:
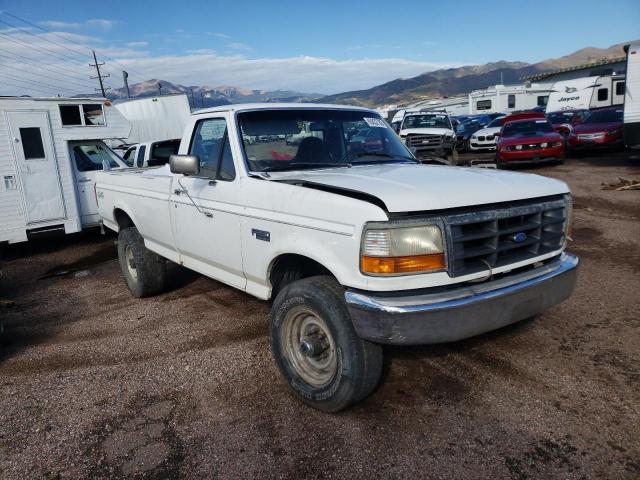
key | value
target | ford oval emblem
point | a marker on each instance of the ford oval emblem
(518, 237)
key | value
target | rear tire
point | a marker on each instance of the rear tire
(317, 349)
(144, 271)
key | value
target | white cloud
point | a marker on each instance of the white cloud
(305, 73)
(195, 67)
(101, 23)
(219, 35)
(239, 46)
(58, 25)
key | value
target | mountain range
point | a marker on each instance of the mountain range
(456, 81)
(205, 96)
(402, 91)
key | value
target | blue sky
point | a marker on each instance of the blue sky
(326, 46)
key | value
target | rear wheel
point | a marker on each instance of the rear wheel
(144, 271)
(317, 349)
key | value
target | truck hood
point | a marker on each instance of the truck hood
(414, 187)
(426, 131)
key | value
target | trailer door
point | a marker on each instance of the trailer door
(36, 165)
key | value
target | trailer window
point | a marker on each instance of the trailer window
(620, 88)
(93, 114)
(483, 105)
(543, 100)
(32, 143)
(603, 94)
(70, 115)
(511, 101)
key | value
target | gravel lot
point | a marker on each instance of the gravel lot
(97, 384)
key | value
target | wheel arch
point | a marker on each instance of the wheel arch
(302, 266)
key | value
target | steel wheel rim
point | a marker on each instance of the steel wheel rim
(131, 266)
(302, 328)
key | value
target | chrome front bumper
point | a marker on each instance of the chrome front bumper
(461, 312)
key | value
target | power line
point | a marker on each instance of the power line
(52, 74)
(34, 82)
(129, 69)
(46, 66)
(40, 46)
(40, 91)
(36, 47)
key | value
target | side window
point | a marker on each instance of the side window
(207, 143)
(603, 94)
(543, 100)
(620, 88)
(32, 143)
(141, 150)
(70, 115)
(129, 156)
(511, 101)
(483, 104)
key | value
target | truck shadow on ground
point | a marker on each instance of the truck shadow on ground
(440, 372)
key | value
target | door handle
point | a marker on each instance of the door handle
(84, 180)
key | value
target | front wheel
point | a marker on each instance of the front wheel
(317, 349)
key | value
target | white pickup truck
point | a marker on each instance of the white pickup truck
(355, 242)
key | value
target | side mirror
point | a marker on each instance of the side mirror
(185, 164)
(497, 134)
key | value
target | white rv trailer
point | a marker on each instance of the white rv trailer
(508, 98)
(631, 129)
(50, 150)
(156, 118)
(587, 93)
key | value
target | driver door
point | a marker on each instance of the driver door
(206, 209)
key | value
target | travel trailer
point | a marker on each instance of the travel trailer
(631, 130)
(156, 119)
(50, 150)
(508, 98)
(587, 93)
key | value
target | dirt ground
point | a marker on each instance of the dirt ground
(97, 384)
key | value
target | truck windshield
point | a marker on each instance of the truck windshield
(426, 121)
(299, 139)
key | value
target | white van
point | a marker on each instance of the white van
(50, 151)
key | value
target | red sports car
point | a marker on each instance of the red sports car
(602, 128)
(529, 140)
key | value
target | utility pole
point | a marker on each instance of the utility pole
(202, 99)
(193, 102)
(125, 77)
(159, 89)
(100, 76)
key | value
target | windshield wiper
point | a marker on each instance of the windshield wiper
(296, 165)
(393, 158)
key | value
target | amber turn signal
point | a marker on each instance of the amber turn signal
(410, 264)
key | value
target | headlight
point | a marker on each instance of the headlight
(393, 251)
(473, 137)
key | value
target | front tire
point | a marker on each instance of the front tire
(317, 349)
(144, 271)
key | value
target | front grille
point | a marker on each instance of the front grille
(481, 138)
(490, 137)
(503, 236)
(423, 140)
